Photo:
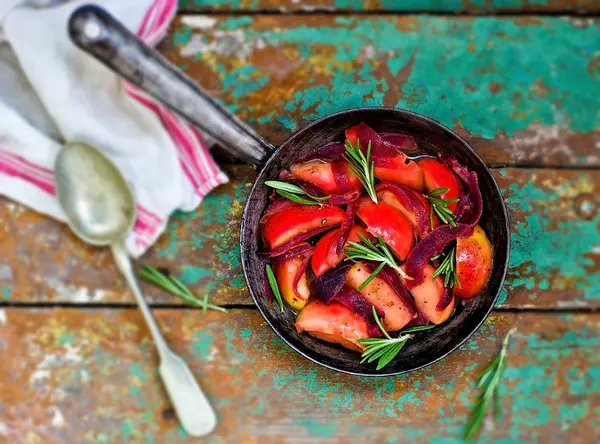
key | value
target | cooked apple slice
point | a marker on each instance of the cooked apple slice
(379, 293)
(291, 279)
(437, 175)
(332, 177)
(334, 323)
(383, 220)
(390, 162)
(428, 295)
(410, 203)
(473, 263)
(297, 220)
(325, 256)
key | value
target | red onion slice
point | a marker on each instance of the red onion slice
(347, 224)
(329, 152)
(331, 282)
(403, 142)
(446, 299)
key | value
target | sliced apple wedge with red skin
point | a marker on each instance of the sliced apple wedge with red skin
(437, 175)
(402, 170)
(294, 289)
(473, 263)
(332, 177)
(296, 220)
(419, 216)
(379, 293)
(428, 295)
(391, 163)
(386, 221)
(325, 256)
(334, 323)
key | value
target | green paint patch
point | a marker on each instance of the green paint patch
(497, 88)
(202, 343)
(192, 275)
(549, 252)
(182, 36)
(67, 338)
(318, 428)
(6, 292)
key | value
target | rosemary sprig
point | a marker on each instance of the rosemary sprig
(385, 349)
(370, 252)
(294, 193)
(448, 269)
(371, 277)
(274, 286)
(176, 287)
(489, 379)
(362, 166)
(440, 207)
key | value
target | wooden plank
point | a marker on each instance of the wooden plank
(555, 259)
(491, 79)
(91, 376)
(432, 6)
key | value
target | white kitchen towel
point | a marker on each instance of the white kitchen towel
(52, 92)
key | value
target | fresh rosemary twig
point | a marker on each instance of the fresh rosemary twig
(489, 379)
(385, 349)
(175, 286)
(274, 286)
(362, 166)
(371, 277)
(448, 269)
(369, 252)
(294, 193)
(440, 207)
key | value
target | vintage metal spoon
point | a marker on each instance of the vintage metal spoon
(100, 209)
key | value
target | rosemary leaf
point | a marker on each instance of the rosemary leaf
(368, 251)
(362, 166)
(448, 269)
(284, 186)
(296, 198)
(294, 193)
(175, 286)
(440, 207)
(274, 286)
(384, 350)
(489, 380)
(371, 277)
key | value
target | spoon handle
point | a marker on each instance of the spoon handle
(191, 405)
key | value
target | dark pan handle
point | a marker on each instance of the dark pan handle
(98, 33)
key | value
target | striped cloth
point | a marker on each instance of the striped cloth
(51, 92)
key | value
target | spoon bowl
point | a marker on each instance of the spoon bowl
(97, 201)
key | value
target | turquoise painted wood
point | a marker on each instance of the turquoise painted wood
(73, 375)
(455, 6)
(492, 79)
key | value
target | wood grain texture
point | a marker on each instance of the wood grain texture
(91, 376)
(494, 80)
(555, 241)
(432, 6)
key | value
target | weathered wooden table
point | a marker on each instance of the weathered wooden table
(76, 362)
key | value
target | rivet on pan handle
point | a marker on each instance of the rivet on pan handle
(99, 34)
